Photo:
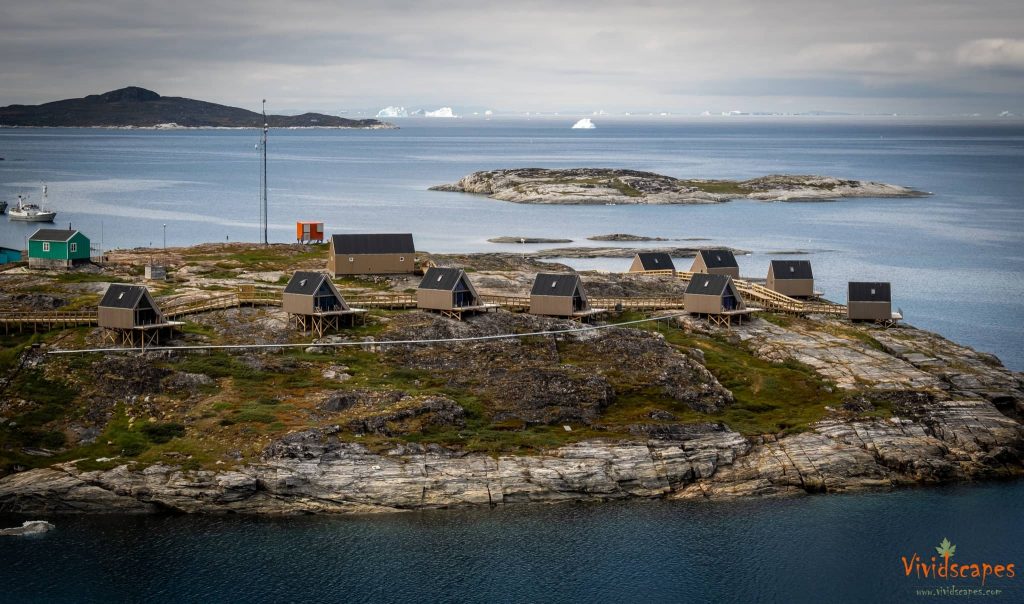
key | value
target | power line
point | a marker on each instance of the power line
(506, 336)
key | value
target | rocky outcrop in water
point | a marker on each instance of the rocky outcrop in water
(606, 186)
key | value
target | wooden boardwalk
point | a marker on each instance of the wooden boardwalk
(753, 293)
(47, 320)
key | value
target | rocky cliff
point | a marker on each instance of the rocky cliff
(312, 471)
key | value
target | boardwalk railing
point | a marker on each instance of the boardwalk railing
(774, 301)
(47, 319)
(388, 301)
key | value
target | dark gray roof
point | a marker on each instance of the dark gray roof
(441, 278)
(555, 284)
(869, 291)
(52, 235)
(708, 285)
(718, 259)
(656, 261)
(304, 282)
(792, 269)
(373, 243)
(119, 295)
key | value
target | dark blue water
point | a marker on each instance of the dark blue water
(956, 259)
(813, 549)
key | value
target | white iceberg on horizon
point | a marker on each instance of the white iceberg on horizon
(584, 124)
(442, 112)
(393, 112)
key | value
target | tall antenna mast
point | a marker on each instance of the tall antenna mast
(264, 216)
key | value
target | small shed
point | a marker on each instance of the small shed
(869, 301)
(371, 254)
(449, 291)
(8, 255)
(57, 248)
(309, 232)
(129, 315)
(559, 295)
(716, 297)
(648, 262)
(716, 262)
(791, 277)
(315, 303)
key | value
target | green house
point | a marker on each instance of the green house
(57, 248)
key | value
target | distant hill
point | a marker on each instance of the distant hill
(134, 106)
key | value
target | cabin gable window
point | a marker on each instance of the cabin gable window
(74, 246)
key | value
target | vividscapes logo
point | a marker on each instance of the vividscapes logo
(942, 568)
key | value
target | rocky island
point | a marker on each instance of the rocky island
(606, 186)
(135, 107)
(782, 406)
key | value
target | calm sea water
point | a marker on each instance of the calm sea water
(956, 259)
(813, 549)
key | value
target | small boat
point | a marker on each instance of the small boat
(30, 212)
(3, 207)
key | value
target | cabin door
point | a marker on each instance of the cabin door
(324, 300)
(461, 296)
(729, 301)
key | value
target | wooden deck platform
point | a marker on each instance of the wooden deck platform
(320, 322)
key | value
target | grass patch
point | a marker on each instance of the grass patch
(770, 397)
(723, 187)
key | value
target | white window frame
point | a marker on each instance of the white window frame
(46, 246)
(74, 247)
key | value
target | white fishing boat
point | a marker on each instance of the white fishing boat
(30, 212)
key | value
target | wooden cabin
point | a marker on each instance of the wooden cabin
(559, 295)
(57, 248)
(791, 277)
(129, 315)
(869, 301)
(316, 305)
(716, 297)
(716, 262)
(449, 291)
(646, 262)
(371, 254)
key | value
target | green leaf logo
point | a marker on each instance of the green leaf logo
(946, 549)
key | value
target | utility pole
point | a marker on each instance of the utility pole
(165, 237)
(264, 215)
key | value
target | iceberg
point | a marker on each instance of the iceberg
(393, 112)
(584, 124)
(442, 112)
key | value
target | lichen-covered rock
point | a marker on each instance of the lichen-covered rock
(314, 471)
(601, 186)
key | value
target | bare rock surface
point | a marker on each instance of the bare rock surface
(313, 471)
(848, 361)
(606, 186)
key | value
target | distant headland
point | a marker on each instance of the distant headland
(606, 186)
(140, 108)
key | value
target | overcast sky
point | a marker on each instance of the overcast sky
(865, 56)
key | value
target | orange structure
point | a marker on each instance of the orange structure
(309, 232)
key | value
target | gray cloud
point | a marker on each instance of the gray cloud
(930, 56)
